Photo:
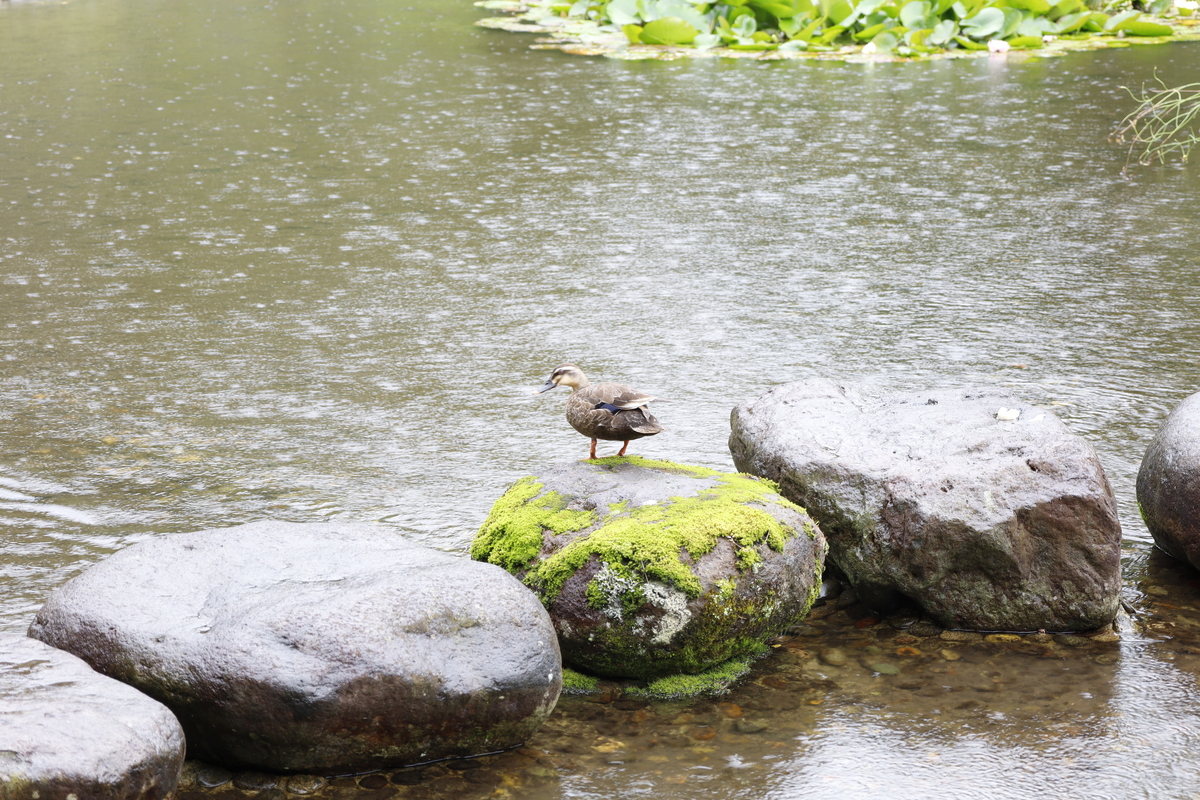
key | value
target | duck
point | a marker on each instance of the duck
(610, 411)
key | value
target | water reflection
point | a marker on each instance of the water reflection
(303, 260)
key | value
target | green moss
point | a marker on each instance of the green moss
(512, 535)
(577, 683)
(748, 558)
(716, 680)
(653, 539)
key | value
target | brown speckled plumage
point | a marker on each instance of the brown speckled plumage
(610, 411)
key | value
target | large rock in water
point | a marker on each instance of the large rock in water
(986, 524)
(316, 647)
(68, 731)
(1168, 483)
(650, 568)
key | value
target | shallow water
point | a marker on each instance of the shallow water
(308, 261)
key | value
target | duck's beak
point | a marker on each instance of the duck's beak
(550, 384)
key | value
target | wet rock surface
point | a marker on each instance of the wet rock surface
(315, 648)
(652, 569)
(938, 695)
(986, 523)
(1168, 483)
(66, 730)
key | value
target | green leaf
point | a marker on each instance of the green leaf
(913, 13)
(1118, 21)
(793, 46)
(1065, 7)
(623, 12)
(1038, 7)
(866, 34)
(775, 9)
(745, 26)
(1072, 22)
(1025, 42)
(633, 33)
(685, 11)
(836, 10)
(830, 34)
(885, 42)
(987, 23)
(863, 9)
(1035, 26)
(943, 32)
(967, 44)
(668, 30)
(915, 38)
(1012, 20)
(1142, 27)
(707, 41)
(807, 33)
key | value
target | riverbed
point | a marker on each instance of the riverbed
(309, 261)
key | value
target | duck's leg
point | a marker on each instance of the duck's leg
(592, 455)
(623, 449)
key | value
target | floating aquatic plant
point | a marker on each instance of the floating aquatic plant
(900, 27)
(1166, 123)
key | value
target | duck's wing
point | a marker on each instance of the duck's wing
(621, 397)
(620, 410)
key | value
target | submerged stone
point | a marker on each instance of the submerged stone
(316, 648)
(650, 568)
(985, 512)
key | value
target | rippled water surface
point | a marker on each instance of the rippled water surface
(308, 260)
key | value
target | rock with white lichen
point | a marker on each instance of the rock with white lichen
(987, 513)
(650, 568)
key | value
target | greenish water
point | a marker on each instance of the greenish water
(308, 260)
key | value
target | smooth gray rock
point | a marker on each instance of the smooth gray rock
(652, 569)
(986, 524)
(1168, 483)
(66, 730)
(316, 648)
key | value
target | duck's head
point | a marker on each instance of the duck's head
(566, 375)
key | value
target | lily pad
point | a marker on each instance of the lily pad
(985, 24)
(668, 30)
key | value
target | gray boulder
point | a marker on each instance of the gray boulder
(1168, 483)
(985, 523)
(68, 731)
(651, 568)
(316, 647)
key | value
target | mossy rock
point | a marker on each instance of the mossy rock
(650, 568)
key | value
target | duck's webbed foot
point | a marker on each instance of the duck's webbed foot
(623, 449)
(592, 454)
